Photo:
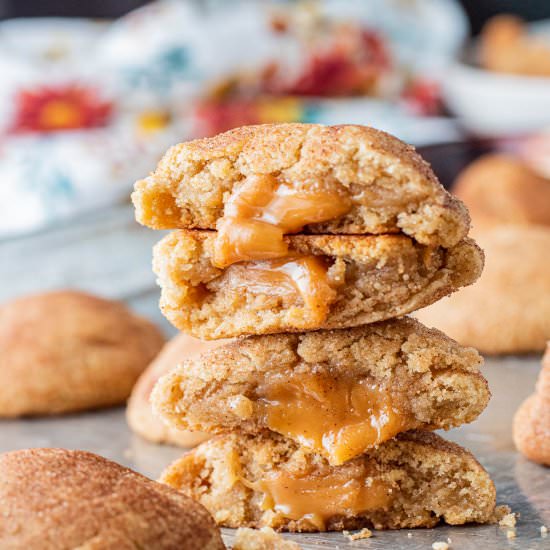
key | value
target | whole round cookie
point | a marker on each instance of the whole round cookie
(68, 351)
(139, 412)
(508, 309)
(499, 189)
(56, 498)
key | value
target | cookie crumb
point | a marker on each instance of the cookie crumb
(449, 541)
(510, 534)
(363, 534)
(543, 530)
(440, 546)
(262, 539)
(509, 520)
(409, 535)
(500, 512)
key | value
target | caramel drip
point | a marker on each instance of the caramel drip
(317, 498)
(262, 210)
(339, 417)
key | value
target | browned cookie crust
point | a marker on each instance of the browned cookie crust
(430, 380)
(391, 188)
(56, 498)
(375, 278)
(67, 351)
(427, 479)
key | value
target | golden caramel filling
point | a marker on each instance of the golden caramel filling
(293, 276)
(262, 210)
(339, 417)
(317, 497)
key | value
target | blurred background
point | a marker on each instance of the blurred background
(92, 93)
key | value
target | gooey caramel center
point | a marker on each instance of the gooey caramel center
(262, 210)
(317, 497)
(338, 416)
(292, 276)
(257, 216)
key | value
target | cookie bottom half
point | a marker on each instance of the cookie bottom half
(415, 480)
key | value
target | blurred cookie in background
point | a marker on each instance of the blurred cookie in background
(499, 188)
(67, 351)
(139, 414)
(508, 309)
(506, 46)
(532, 419)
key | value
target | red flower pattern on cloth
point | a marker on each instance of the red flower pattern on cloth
(350, 64)
(67, 107)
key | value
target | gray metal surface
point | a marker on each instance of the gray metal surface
(111, 255)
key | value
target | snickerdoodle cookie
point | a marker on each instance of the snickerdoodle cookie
(501, 189)
(326, 281)
(139, 413)
(508, 309)
(508, 46)
(532, 419)
(56, 498)
(336, 392)
(254, 184)
(413, 480)
(68, 351)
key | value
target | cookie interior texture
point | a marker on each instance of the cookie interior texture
(56, 498)
(68, 351)
(414, 480)
(387, 185)
(368, 279)
(508, 309)
(337, 392)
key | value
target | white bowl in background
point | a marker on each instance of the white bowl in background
(488, 103)
(494, 104)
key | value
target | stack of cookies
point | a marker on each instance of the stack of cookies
(308, 245)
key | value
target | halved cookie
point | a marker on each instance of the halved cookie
(326, 281)
(414, 480)
(338, 393)
(256, 183)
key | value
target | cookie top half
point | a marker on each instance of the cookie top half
(343, 179)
